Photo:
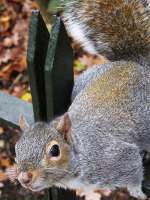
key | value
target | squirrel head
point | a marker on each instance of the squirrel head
(43, 153)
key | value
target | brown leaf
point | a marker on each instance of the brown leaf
(5, 162)
(3, 177)
(1, 130)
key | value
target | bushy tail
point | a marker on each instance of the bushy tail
(121, 28)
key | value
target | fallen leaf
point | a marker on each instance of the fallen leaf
(27, 97)
(1, 130)
(2, 144)
(3, 177)
(5, 162)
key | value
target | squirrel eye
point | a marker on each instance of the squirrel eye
(55, 151)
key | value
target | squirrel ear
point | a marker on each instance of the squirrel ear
(23, 123)
(64, 126)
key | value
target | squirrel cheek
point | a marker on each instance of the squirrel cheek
(50, 161)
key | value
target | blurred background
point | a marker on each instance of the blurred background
(14, 21)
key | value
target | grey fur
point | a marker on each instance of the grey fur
(110, 126)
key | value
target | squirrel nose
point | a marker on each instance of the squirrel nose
(25, 177)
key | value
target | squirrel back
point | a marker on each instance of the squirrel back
(118, 29)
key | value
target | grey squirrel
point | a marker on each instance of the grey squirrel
(98, 142)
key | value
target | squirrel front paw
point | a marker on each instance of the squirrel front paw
(93, 195)
(89, 195)
(104, 192)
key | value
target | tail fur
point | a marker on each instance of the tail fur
(120, 28)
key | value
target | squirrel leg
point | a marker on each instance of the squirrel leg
(136, 192)
(135, 187)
